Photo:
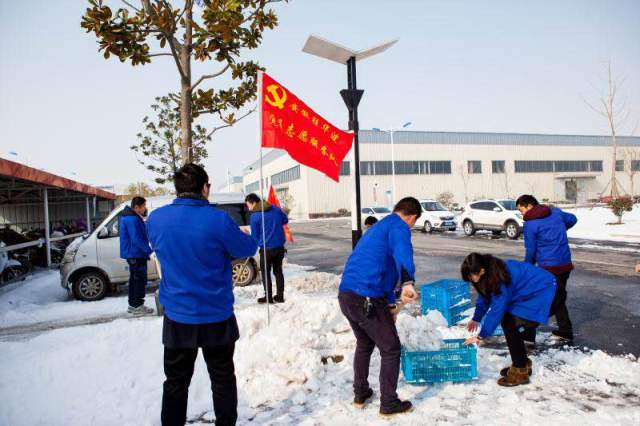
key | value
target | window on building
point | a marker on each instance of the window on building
(252, 187)
(440, 167)
(382, 167)
(474, 167)
(407, 167)
(571, 166)
(558, 166)
(286, 176)
(619, 165)
(635, 165)
(345, 168)
(533, 166)
(366, 168)
(595, 166)
(497, 166)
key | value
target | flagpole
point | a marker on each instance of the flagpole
(264, 239)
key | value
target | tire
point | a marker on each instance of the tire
(90, 286)
(243, 272)
(468, 228)
(496, 233)
(427, 227)
(512, 230)
(13, 273)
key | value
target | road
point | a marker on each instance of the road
(604, 292)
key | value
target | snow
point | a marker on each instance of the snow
(421, 333)
(593, 224)
(112, 373)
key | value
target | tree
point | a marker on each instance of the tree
(464, 174)
(159, 143)
(220, 33)
(615, 112)
(142, 189)
(620, 205)
(446, 199)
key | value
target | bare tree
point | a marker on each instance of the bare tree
(464, 174)
(616, 113)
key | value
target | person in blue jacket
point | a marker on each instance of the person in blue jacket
(381, 259)
(135, 249)
(274, 220)
(195, 244)
(547, 245)
(511, 293)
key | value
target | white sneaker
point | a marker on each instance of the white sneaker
(140, 310)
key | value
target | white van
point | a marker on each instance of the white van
(435, 217)
(92, 264)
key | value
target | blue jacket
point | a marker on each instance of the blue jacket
(195, 243)
(528, 296)
(134, 243)
(382, 255)
(274, 219)
(545, 238)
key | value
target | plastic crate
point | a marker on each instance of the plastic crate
(448, 297)
(454, 362)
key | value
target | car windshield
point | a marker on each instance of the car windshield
(508, 204)
(238, 212)
(433, 206)
(380, 210)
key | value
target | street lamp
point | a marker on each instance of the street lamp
(334, 52)
(393, 160)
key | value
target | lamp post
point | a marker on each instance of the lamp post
(351, 96)
(393, 160)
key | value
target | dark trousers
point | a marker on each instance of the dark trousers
(178, 368)
(559, 305)
(137, 281)
(511, 325)
(376, 330)
(275, 257)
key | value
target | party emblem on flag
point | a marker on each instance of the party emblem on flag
(289, 124)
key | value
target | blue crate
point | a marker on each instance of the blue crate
(446, 296)
(454, 362)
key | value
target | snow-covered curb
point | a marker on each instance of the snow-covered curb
(112, 373)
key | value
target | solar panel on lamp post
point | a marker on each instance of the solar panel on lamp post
(334, 52)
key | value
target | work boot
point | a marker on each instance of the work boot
(398, 408)
(360, 401)
(139, 310)
(562, 335)
(263, 300)
(278, 298)
(515, 377)
(529, 366)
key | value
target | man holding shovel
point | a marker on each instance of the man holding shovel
(381, 259)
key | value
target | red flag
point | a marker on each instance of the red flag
(289, 124)
(273, 200)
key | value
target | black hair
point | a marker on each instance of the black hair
(495, 273)
(526, 200)
(137, 201)
(190, 178)
(408, 206)
(252, 198)
(370, 221)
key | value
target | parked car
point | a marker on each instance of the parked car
(492, 215)
(92, 264)
(377, 212)
(435, 217)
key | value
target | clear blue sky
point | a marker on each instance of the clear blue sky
(498, 66)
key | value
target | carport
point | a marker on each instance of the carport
(33, 201)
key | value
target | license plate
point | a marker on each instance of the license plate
(448, 223)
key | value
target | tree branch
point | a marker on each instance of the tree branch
(160, 54)
(207, 76)
(215, 129)
(173, 42)
(131, 6)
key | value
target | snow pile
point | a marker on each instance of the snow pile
(297, 371)
(593, 224)
(421, 333)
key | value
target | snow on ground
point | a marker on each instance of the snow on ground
(593, 224)
(111, 373)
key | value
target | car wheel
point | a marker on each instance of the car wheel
(468, 228)
(513, 230)
(90, 286)
(496, 233)
(427, 227)
(243, 272)
(13, 273)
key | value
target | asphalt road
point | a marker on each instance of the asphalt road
(604, 292)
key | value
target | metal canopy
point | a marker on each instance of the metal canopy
(334, 52)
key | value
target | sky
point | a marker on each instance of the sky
(492, 66)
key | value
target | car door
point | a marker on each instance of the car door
(494, 219)
(476, 213)
(108, 251)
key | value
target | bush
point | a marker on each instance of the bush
(343, 212)
(620, 205)
(446, 199)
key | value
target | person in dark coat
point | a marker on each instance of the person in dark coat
(195, 243)
(382, 258)
(547, 245)
(274, 221)
(511, 293)
(135, 249)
